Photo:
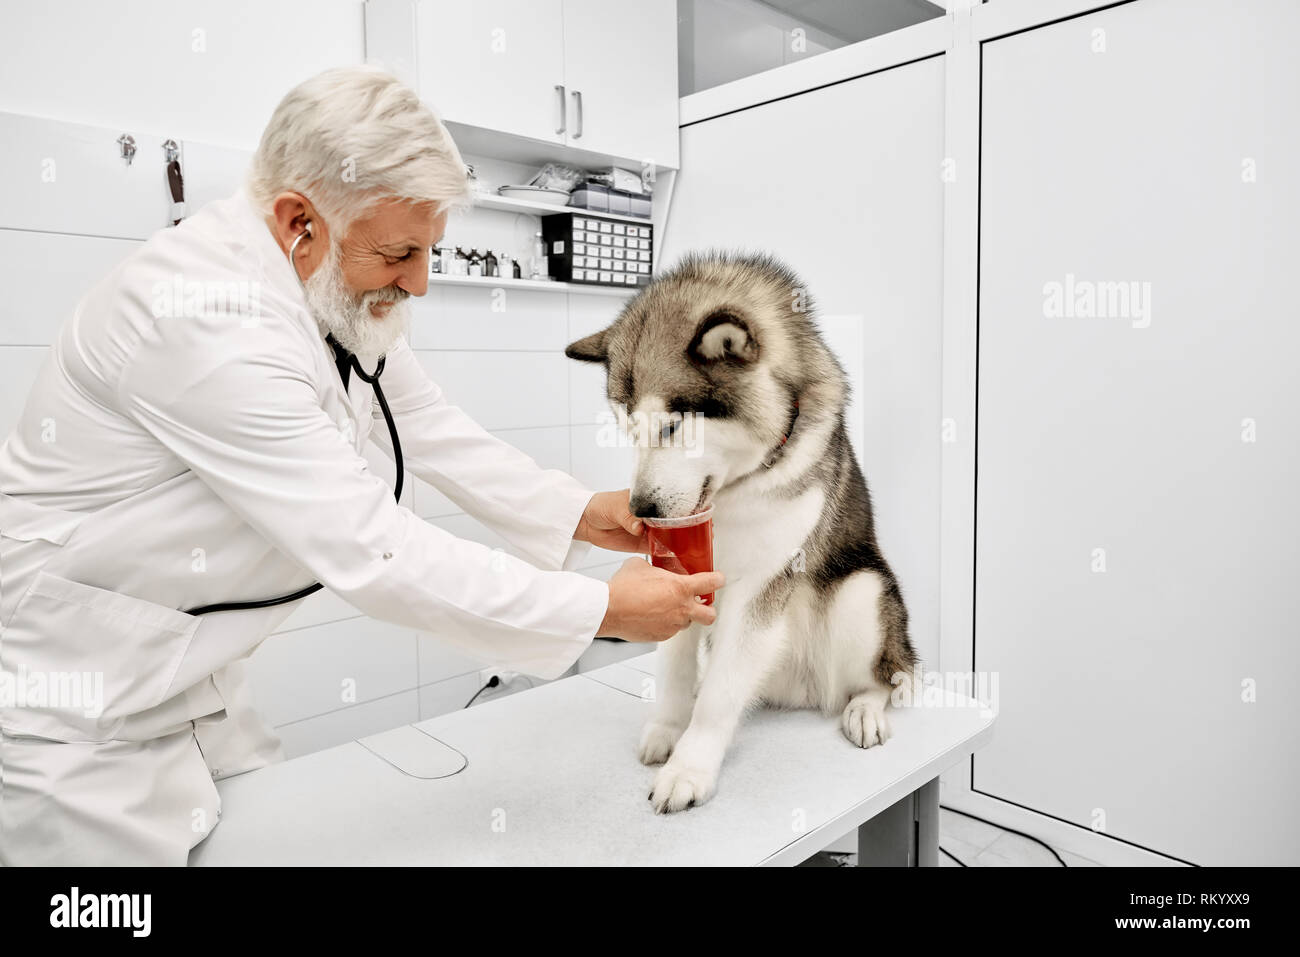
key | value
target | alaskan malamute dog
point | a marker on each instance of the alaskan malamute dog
(811, 615)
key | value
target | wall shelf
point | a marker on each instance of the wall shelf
(537, 285)
(493, 201)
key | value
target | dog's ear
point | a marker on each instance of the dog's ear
(723, 337)
(594, 348)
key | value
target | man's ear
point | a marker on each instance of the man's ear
(594, 348)
(723, 337)
(290, 213)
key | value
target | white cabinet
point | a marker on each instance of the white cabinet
(588, 76)
(620, 69)
(1138, 441)
(497, 64)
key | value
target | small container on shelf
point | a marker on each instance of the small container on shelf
(591, 196)
(540, 267)
(641, 204)
(620, 202)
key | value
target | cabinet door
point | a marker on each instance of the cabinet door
(494, 64)
(1138, 437)
(622, 58)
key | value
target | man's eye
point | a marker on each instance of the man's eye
(394, 260)
(668, 430)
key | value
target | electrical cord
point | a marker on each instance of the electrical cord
(495, 680)
(1003, 828)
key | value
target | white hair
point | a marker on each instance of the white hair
(350, 136)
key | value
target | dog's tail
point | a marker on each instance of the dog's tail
(898, 664)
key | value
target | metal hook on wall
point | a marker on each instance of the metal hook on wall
(127, 142)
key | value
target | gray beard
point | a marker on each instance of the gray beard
(348, 317)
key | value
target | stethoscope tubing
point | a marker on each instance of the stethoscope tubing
(372, 380)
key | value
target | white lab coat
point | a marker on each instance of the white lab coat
(177, 450)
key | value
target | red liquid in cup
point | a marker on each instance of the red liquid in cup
(684, 550)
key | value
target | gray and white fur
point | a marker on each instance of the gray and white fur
(811, 615)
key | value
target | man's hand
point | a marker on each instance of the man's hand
(609, 523)
(651, 604)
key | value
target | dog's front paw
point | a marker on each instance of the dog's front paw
(864, 723)
(678, 787)
(658, 740)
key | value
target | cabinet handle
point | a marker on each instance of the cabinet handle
(563, 116)
(577, 102)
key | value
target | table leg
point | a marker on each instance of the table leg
(906, 834)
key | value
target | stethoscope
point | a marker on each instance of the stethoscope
(346, 363)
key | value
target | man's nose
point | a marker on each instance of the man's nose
(414, 277)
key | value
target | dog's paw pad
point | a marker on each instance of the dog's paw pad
(658, 741)
(865, 724)
(676, 789)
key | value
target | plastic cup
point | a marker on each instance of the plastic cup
(683, 545)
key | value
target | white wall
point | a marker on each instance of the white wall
(210, 70)
(136, 71)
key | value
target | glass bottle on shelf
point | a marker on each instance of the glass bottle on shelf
(491, 265)
(518, 273)
(539, 266)
(461, 263)
(435, 260)
(475, 262)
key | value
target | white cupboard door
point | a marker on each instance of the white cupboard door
(1138, 437)
(494, 64)
(620, 67)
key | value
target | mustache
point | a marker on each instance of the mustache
(387, 294)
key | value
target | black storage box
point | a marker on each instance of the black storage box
(597, 250)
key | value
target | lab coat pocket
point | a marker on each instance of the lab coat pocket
(81, 659)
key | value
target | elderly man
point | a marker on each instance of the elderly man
(182, 450)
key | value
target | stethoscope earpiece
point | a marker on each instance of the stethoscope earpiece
(306, 231)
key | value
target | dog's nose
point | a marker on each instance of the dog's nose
(643, 507)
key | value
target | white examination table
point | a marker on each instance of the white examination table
(550, 776)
